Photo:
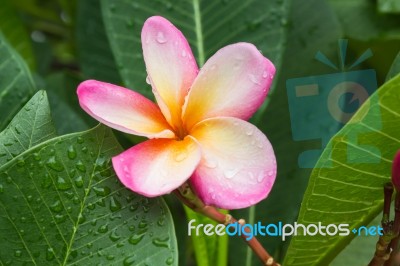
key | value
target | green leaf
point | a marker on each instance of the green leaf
(389, 6)
(207, 248)
(307, 35)
(31, 126)
(360, 250)
(95, 57)
(395, 68)
(208, 26)
(61, 203)
(14, 30)
(16, 84)
(347, 183)
(361, 21)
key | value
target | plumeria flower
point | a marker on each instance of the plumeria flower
(197, 130)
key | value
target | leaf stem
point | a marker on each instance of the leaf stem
(187, 196)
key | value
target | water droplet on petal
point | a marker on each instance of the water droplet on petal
(230, 173)
(265, 74)
(270, 173)
(161, 37)
(210, 161)
(249, 131)
(180, 155)
(254, 79)
(260, 177)
(183, 53)
(148, 81)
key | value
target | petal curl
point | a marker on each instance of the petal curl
(234, 82)
(170, 65)
(123, 109)
(238, 165)
(158, 166)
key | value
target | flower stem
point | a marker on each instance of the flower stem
(383, 250)
(186, 195)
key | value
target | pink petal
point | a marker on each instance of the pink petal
(238, 165)
(123, 109)
(234, 82)
(158, 166)
(170, 65)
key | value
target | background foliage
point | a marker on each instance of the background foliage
(48, 46)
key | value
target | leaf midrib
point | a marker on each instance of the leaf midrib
(199, 32)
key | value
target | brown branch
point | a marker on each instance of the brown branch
(186, 195)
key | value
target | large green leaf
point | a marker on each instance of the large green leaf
(61, 203)
(208, 26)
(309, 32)
(16, 84)
(95, 57)
(14, 30)
(346, 185)
(31, 126)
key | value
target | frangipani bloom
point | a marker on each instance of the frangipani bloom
(197, 132)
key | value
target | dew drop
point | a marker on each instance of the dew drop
(71, 152)
(21, 162)
(142, 224)
(18, 253)
(161, 37)
(56, 206)
(265, 74)
(54, 164)
(49, 254)
(161, 242)
(230, 173)
(79, 181)
(249, 131)
(61, 184)
(148, 81)
(169, 261)
(254, 79)
(270, 173)
(101, 191)
(135, 239)
(260, 177)
(128, 261)
(180, 155)
(114, 236)
(114, 205)
(81, 166)
(183, 53)
(103, 229)
(210, 162)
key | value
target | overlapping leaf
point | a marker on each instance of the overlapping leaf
(16, 84)
(350, 190)
(61, 203)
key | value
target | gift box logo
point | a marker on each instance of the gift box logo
(340, 94)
